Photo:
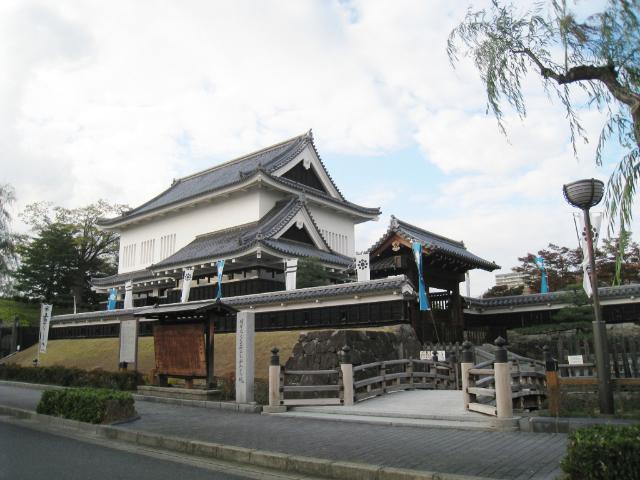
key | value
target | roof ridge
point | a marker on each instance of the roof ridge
(441, 237)
(239, 159)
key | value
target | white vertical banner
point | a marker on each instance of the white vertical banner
(128, 294)
(45, 319)
(596, 221)
(186, 284)
(363, 267)
(290, 273)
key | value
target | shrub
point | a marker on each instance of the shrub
(87, 405)
(72, 377)
(603, 452)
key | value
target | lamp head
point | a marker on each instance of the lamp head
(584, 194)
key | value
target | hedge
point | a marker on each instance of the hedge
(87, 405)
(603, 452)
(72, 377)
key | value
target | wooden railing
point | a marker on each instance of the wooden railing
(497, 387)
(311, 394)
(378, 378)
(348, 384)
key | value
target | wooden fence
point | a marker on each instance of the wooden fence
(624, 357)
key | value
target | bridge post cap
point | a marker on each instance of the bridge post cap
(345, 354)
(500, 342)
(346, 348)
(466, 345)
(275, 358)
(545, 348)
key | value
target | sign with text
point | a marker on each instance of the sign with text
(128, 341)
(575, 359)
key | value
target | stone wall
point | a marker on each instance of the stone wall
(319, 350)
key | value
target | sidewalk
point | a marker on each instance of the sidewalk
(508, 455)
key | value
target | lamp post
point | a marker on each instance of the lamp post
(585, 194)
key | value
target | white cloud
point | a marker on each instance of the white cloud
(114, 99)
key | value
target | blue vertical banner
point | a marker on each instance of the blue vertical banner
(544, 282)
(422, 293)
(220, 265)
(111, 302)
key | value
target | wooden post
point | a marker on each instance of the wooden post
(465, 366)
(553, 383)
(409, 370)
(274, 378)
(210, 339)
(347, 375)
(453, 371)
(502, 369)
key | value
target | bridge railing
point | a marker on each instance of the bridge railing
(496, 387)
(349, 384)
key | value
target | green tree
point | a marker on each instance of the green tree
(7, 238)
(503, 291)
(599, 55)
(311, 273)
(95, 251)
(48, 264)
(563, 267)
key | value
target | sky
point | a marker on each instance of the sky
(114, 99)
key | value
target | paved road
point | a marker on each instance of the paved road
(37, 455)
(508, 455)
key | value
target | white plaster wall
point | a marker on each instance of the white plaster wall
(338, 223)
(190, 222)
(268, 199)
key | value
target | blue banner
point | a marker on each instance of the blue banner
(111, 302)
(544, 283)
(422, 293)
(220, 266)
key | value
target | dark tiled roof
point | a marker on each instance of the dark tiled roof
(435, 242)
(561, 297)
(297, 249)
(267, 160)
(325, 196)
(236, 240)
(121, 278)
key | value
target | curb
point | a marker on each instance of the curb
(295, 464)
(236, 407)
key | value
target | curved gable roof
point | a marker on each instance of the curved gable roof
(266, 160)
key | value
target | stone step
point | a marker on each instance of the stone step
(392, 414)
(491, 424)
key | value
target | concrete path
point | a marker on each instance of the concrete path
(417, 408)
(503, 455)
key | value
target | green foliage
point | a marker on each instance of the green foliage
(597, 56)
(554, 327)
(87, 405)
(311, 273)
(28, 312)
(564, 266)
(72, 377)
(48, 265)
(503, 291)
(603, 452)
(8, 240)
(67, 249)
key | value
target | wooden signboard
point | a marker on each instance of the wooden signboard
(180, 350)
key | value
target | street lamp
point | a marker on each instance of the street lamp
(585, 194)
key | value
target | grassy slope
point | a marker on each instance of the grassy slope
(103, 352)
(29, 313)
